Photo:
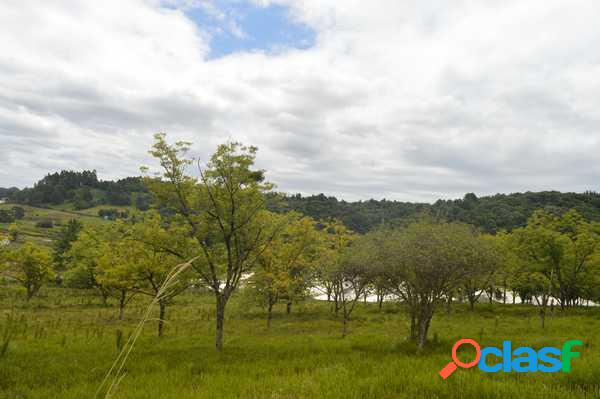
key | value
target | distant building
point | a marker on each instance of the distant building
(3, 200)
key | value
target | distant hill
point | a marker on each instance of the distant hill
(360, 216)
(81, 190)
(490, 213)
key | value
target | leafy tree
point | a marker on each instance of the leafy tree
(58, 195)
(83, 266)
(13, 232)
(557, 256)
(115, 267)
(30, 266)
(224, 211)
(425, 261)
(482, 260)
(154, 260)
(86, 195)
(18, 212)
(6, 216)
(354, 273)
(285, 267)
(143, 202)
(335, 238)
(62, 244)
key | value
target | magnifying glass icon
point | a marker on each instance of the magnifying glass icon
(451, 367)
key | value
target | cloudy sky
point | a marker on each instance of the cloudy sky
(397, 99)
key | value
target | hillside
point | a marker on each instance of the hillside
(80, 190)
(41, 225)
(71, 191)
(490, 213)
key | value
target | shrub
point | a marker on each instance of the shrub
(45, 224)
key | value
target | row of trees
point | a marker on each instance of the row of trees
(83, 189)
(219, 223)
(490, 214)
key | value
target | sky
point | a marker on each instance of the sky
(397, 99)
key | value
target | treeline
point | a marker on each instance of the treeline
(83, 190)
(508, 211)
(490, 213)
(220, 236)
(360, 216)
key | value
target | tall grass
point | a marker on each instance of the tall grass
(63, 343)
(115, 374)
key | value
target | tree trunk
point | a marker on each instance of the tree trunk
(269, 313)
(543, 316)
(336, 302)
(104, 297)
(472, 301)
(288, 308)
(29, 293)
(220, 317)
(161, 318)
(413, 324)
(380, 301)
(122, 305)
(423, 324)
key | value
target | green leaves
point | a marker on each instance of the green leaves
(30, 265)
(559, 255)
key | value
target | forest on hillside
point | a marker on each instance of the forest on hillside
(490, 213)
(82, 190)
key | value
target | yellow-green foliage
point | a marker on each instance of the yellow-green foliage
(29, 265)
(65, 341)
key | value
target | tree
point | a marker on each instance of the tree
(557, 256)
(115, 267)
(6, 216)
(334, 239)
(13, 232)
(482, 260)
(285, 267)
(58, 195)
(425, 261)
(18, 212)
(61, 246)
(154, 261)
(223, 209)
(83, 266)
(30, 266)
(354, 273)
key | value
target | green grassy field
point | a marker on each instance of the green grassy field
(28, 230)
(64, 342)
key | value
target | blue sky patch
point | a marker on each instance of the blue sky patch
(242, 26)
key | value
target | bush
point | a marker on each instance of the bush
(18, 212)
(45, 224)
(6, 216)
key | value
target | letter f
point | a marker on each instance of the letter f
(567, 354)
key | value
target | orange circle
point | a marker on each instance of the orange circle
(466, 341)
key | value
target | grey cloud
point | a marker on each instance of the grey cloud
(410, 101)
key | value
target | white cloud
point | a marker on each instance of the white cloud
(412, 100)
